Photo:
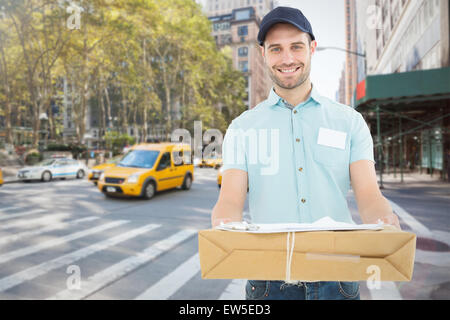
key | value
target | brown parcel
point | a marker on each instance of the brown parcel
(317, 255)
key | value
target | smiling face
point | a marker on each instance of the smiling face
(287, 52)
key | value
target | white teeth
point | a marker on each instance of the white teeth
(287, 71)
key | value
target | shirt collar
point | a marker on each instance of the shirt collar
(274, 99)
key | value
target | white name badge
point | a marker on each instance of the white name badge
(332, 138)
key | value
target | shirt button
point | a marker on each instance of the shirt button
(300, 169)
(295, 111)
(303, 200)
(297, 140)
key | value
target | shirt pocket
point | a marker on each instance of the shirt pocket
(329, 156)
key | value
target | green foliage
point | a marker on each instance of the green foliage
(58, 147)
(33, 158)
(133, 63)
(116, 141)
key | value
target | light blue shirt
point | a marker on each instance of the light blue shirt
(297, 159)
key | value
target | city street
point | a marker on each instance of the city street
(54, 235)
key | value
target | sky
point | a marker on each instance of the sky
(328, 23)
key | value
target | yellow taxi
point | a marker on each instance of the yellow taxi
(148, 168)
(219, 178)
(1, 177)
(212, 163)
(96, 171)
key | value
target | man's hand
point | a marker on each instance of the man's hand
(372, 205)
(391, 219)
(230, 205)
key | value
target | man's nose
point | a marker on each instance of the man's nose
(288, 57)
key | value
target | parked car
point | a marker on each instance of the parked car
(148, 168)
(96, 171)
(59, 168)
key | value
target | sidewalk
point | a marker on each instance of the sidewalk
(425, 198)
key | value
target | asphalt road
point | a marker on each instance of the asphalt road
(65, 240)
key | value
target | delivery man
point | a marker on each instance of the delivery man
(317, 148)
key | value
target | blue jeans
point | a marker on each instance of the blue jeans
(323, 290)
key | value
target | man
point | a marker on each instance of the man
(318, 147)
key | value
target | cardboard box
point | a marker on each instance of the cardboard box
(386, 255)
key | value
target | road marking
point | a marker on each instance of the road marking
(58, 241)
(234, 291)
(388, 291)
(418, 228)
(9, 208)
(438, 259)
(67, 259)
(27, 224)
(52, 227)
(120, 269)
(442, 236)
(22, 214)
(168, 285)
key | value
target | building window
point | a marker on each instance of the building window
(243, 51)
(221, 26)
(242, 15)
(242, 30)
(243, 66)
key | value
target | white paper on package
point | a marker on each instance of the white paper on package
(324, 224)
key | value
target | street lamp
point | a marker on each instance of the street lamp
(359, 54)
(341, 49)
(43, 118)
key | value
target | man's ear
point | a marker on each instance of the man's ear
(262, 51)
(313, 46)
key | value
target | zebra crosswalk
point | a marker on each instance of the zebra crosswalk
(38, 248)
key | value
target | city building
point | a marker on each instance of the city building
(402, 83)
(239, 29)
(223, 7)
(341, 93)
(351, 60)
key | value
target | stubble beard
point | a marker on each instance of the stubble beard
(302, 78)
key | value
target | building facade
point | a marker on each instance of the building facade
(404, 40)
(351, 61)
(239, 30)
(403, 35)
(223, 7)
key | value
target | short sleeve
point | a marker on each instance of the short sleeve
(233, 151)
(361, 141)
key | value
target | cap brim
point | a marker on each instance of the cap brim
(269, 24)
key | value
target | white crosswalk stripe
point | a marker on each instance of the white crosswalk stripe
(36, 271)
(108, 275)
(168, 285)
(234, 291)
(58, 241)
(19, 215)
(2, 210)
(52, 227)
(388, 291)
(27, 224)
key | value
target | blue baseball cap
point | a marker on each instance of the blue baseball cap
(284, 15)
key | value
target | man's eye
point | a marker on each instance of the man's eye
(275, 50)
(297, 47)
